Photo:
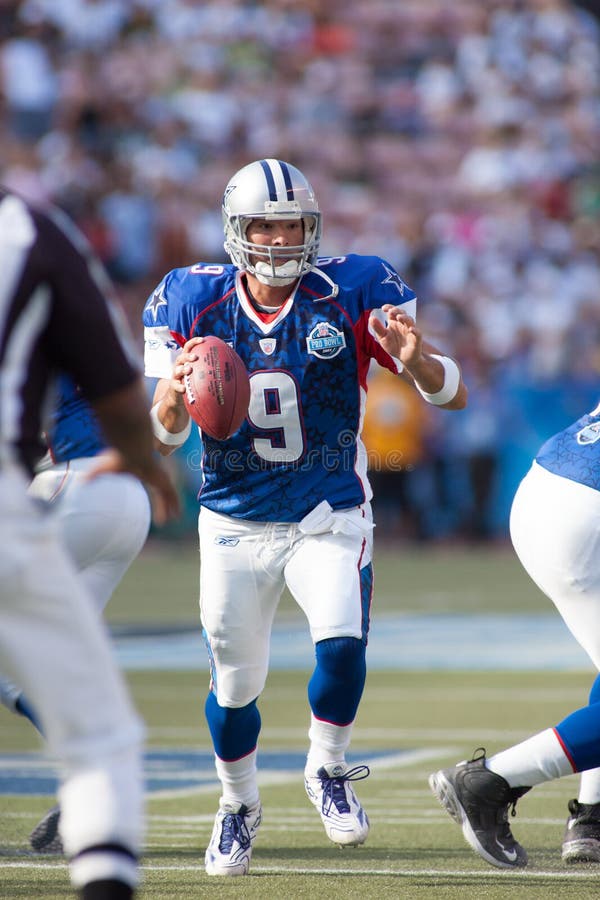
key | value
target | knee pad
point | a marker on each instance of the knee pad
(234, 731)
(337, 683)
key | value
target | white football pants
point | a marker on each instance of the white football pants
(53, 643)
(244, 568)
(555, 530)
(104, 522)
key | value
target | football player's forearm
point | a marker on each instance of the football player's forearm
(126, 426)
(427, 372)
(439, 381)
(170, 420)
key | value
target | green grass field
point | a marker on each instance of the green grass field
(421, 720)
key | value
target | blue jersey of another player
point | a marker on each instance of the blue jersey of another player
(307, 362)
(575, 452)
(74, 431)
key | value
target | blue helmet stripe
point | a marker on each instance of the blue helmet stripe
(270, 180)
(287, 179)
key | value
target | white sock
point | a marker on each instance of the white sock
(238, 780)
(540, 758)
(328, 744)
(589, 787)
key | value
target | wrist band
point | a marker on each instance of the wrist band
(449, 388)
(168, 437)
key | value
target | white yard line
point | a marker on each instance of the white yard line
(458, 874)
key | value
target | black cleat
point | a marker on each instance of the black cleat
(479, 800)
(581, 841)
(45, 837)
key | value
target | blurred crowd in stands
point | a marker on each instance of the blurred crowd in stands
(457, 140)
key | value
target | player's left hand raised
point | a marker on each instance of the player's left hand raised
(401, 338)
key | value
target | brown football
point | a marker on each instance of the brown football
(217, 391)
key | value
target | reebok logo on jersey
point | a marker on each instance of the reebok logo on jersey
(325, 341)
(590, 434)
(223, 541)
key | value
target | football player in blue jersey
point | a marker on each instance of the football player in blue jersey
(104, 524)
(555, 530)
(285, 500)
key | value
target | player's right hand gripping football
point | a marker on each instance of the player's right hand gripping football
(182, 366)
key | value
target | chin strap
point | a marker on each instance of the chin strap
(284, 277)
(335, 288)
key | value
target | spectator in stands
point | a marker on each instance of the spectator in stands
(482, 116)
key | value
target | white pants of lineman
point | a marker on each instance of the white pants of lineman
(104, 522)
(244, 568)
(53, 643)
(555, 530)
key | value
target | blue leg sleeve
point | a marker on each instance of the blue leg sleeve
(337, 683)
(595, 691)
(234, 732)
(579, 733)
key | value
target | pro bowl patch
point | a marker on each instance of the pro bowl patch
(325, 341)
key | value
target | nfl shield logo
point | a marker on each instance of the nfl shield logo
(267, 345)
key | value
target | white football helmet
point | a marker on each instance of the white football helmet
(271, 189)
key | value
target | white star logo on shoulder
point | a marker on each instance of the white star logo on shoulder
(158, 299)
(393, 278)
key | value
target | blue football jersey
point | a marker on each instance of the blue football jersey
(575, 452)
(73, 430)
(300, 443)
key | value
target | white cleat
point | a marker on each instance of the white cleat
(345, 821)
(230, 848)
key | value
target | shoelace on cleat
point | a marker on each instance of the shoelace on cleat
(234, 828)
(334, 791)
(510, 809)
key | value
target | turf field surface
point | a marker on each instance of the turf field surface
(410, 723)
